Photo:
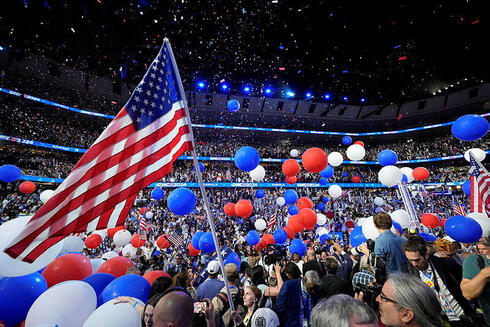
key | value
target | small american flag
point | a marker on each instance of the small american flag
(458, 208)
(272, 221)
(480, 190)
(137, 148)
(143, 229)
(423, 193)
(175, 239)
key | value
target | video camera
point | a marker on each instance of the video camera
(371, 292)
(274, 253)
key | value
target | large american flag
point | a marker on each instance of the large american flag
(480, 191)
(136, 149)
(458, 208)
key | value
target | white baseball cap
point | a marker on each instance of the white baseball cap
(213, 267)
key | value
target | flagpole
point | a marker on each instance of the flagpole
(199, 175)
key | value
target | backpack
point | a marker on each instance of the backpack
(225, 312)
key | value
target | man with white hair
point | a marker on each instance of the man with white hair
(342, 310)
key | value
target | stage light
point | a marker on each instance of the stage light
(363, 100)
(308, 95)
(326, 96)
(246, 89)
(268, 91)
(224, 87)
(290, 94)
(201, 85)
(1, 48)
(345, 98)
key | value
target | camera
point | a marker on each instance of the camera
(274, 254)
(371, 292)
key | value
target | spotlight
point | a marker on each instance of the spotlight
(268, 91)
(326, 96)
(290, 94)
(345, 98)
(201, 85)
(246, 89)
(308, 95)
(224, 87)
(363, 100)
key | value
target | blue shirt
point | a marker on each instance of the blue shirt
(209, 289)
(389, 247)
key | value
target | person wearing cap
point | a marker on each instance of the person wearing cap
(446, 249)
(221, 303)
(212, 286)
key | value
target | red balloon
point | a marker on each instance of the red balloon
(93, 241)
(244, 208)
(162, 242)
(359, 142)
(260, 246)
(304, 202)
(443, 222)
(430, 220)
(116, 266)
(295, 223)
(71, 266)
(230, 209)
(27, 187)
(356, 179)
(192, 250)
(291, 179)
(420, 173)
(290, 167)
(349, 224)
(330, 214)
(308, 217)
(136, 242)
(314, 160)
(112, 231)
(152, 275)
(143, 210)
(267, 239)
(289, 231)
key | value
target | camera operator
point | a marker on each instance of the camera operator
(388, 246)
(258, 279)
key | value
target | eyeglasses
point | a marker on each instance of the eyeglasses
(386, 299)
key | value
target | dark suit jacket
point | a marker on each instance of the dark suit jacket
(345, 269)
(288, 303)
(314, 265)
(451, 274)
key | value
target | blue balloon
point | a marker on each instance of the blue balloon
(326, 199)
(428, 237)
(378, 209)
(357, 237)
(297, 246)
(252, 237)
(201, 167)
(290, 196)
(18, 294)
(293, 210)
(10, 173)
(259, 194)
(206, 243)
(156, 253)
(387, 158)
(323, 181)
(233, 105)
(327, 172)
(321, 206)
(344, 174)
(280, 236)
(195, 239)
(233, 258)
(324, 237)
(247, 158)
(127, 285)
(463, 229)
(99, 282)
(181, 201)
(398, 227)
(157, 193)
(470, 127)
(467, 187)
(347, 140)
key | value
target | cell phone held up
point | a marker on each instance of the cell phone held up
(200, 307)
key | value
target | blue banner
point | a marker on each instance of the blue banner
(98, 114)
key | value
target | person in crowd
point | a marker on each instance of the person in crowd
(251, 298)
(298, 261)
(257, 279)
(296, 300)
(160, 285)
(221, 302)
(446, 249)
(407, 301)
(212, 286)
(342, 310)
(312, 264)
(345, 261)
(291, 271)
(331, 283)
(443, 275)
(178, 265)
(184, 279)
(476, 275)
(175, 308)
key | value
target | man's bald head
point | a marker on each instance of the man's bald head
(173, 309)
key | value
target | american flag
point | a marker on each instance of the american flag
(175, 239)
(480, 190)
(458, 208)
(136, 149)
(272, 221)
(143, 229)
(423, 193)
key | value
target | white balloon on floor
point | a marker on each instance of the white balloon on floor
(10, 267)
(335, 159)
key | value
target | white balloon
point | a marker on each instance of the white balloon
(335, 159)
(122, 237)
(260, 224)
(355, 152)
(483, 220)
(72, 244)
(321, 230)
(110, 254)
(110, 315)
(257, 174)
(46, 195)
(129, 249)
(477, 153)
(369, 230)
(149, 215)
(280, 201)
(378, 201)
(96, 264)
(335, 191)
(294, 153)
(286, 220)
(390, 175)
(66, 304)
(321, 219)
(408, 172)
(401, 216)
(360, 221)
(10, 267)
